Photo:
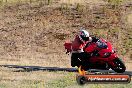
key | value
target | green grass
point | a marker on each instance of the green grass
(45, 79)
(67, 80)
(32, 84)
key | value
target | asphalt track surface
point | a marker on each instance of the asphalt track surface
(38, 68)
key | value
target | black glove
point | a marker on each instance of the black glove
(95, 39)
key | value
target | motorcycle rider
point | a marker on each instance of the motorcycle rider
(78, 45)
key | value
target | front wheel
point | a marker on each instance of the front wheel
(119, 66)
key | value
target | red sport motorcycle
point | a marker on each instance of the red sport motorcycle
(103, 56)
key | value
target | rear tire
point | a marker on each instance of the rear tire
(75, 62)
(120, 67)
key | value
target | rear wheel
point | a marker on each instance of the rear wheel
(119, 66)
(75, 62)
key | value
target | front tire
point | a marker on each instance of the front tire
(119, 66)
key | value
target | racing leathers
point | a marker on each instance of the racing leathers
(78, 50)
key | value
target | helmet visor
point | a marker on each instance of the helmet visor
(85, 38)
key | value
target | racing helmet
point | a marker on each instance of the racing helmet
(84, 35)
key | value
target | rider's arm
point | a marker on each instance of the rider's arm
(77, 46)
(81, 48)
(95, 39)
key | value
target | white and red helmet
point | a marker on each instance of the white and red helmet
(84, 35)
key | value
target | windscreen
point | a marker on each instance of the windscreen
(101, 44)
